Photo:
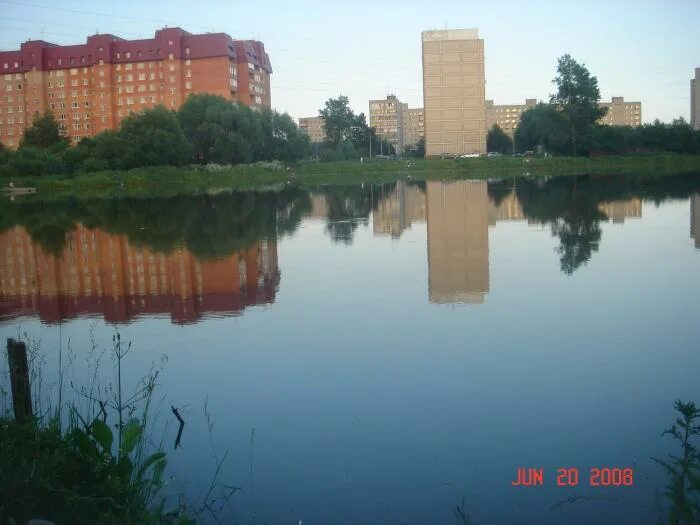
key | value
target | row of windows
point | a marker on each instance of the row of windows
(12, 120)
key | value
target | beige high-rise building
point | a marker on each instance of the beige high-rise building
(454, 92)
(413, 127)
(458, 241)
(695, 100)
(506, 116)
(386, 117)
(314, 127)
(621, 113)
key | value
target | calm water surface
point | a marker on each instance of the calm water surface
(374, 354)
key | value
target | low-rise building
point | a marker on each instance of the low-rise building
(413, 127)
(506, 116)
(314, 127)
(386, 117)
(621, 113)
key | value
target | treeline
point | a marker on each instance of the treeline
(544, 125)
(206, 129)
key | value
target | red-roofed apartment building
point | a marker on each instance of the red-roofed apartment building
(93, 86)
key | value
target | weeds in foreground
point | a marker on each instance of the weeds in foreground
(92, 463)
(683, 488)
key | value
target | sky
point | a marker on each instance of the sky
(643, 50)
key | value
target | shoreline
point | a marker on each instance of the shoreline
(168, 181)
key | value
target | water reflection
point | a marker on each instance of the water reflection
(458, 241)
(695, 219)
(190, 257)
(99, 274)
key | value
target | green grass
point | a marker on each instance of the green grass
(166, 181)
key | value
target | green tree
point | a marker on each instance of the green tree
(542, 125)
(153, 138)
(497, 140)
(577, 99)
(339, 120)
(43, 133)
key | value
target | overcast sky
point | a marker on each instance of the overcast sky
(642, 50)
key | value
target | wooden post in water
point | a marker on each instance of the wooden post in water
(19, 379)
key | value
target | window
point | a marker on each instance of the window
(171, 78)
(102, 73)
(74, 83)
(129, 78)
(170, 42)
(119, 78)
(101, 62)
(142, 76)
(127, 54)
(188, 85)
(129, 101)
(170, 56)
(143, 100)
(171, 67)
(75, 105)
(74, 94)
(128, 67)
(141, 89)
(85, 82)
(129, 89)
(152, 76)
(188, 74)
(73, 71)
(152, 87)
(140, 65)
(188, 62)
(172, 103)
(172, 91)
(87, 104)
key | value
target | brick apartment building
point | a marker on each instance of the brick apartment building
(91, 87)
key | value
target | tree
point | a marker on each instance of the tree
(339, 120)
(498, 141)
(542, 125)
(577, 99)
(153, 138)
(43, 133)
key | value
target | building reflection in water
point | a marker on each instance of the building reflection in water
(395, 212)
(618, 211)
(458, 241)
(100, 274)
(695, 218)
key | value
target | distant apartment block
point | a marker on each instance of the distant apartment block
(453, 92)
(506, 116)
(695, 100)
(314, 127)
(413, 126)
(386, 117)
(621, 113)
(92, 87)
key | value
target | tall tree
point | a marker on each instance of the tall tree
(577, 98)
(339, 120)
(497, 140)
(43, 133)
(542, 125)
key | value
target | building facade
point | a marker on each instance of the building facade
(314, 127)
(695, 100)
(413, 127)
(454, 92)
(621, 113)
(92, 87)
(386, 117)
(506, 116)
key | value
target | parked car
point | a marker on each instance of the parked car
(469, 156)
(494, 154)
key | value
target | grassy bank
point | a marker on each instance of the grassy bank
(164, 181)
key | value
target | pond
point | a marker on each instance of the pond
(382, 353)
